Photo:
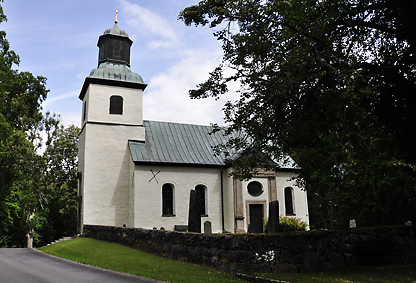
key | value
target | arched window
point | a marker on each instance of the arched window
(289, 201)
(167, 200)
(201, 190)
(116, 105)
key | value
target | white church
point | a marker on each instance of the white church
(138, 174)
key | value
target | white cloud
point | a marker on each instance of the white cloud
(189, 61)
(52, 100)
(159, 32)
(167, 98)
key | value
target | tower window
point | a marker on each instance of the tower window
(167, 200)
(201, 190)
(85, 111)
(289, 201)
(116, 105)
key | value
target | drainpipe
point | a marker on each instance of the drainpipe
(222, 199)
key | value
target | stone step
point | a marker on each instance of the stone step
(64, 239)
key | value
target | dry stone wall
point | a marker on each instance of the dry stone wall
(288, 252)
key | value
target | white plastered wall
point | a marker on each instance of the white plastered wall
(105, 159)
(130, 222)
(228, 200)
(98, 105)
(300, 200)
(81, 169)
(148, 195)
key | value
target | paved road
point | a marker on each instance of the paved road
(28, 265)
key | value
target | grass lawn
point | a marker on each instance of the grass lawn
(124, 259)
(393, 273)
(129, 260)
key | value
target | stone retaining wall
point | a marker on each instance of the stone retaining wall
(402, 238)
(288, 252)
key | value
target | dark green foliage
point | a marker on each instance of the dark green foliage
(331, 84)
(21, 95)
(287, 224)
(37, 176)
(60, 182)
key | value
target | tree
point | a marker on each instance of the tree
(329, 83)
(37, 186)
(21, 95)
(41, 205)
(60, 181)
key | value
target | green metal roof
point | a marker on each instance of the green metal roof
(117, 72)
(169, 143)
(174, 143)
(116, 31)
(114, 63)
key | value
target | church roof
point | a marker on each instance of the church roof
(168, 143)
(174, 143)
(117, 72)
(116, 31)
(113, 62)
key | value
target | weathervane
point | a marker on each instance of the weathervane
(116, 21)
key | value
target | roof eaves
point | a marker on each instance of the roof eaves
(181, 164)
(89, 80)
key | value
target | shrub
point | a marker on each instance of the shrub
(287, 223)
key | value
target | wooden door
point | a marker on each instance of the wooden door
(256, 218)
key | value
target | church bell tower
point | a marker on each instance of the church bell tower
(112, 115)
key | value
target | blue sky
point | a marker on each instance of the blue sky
(58, 40)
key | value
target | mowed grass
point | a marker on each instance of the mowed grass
(384, 274)
(125, 259)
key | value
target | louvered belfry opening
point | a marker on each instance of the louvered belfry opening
(114, 47)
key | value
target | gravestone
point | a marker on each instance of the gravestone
(273, 224)
(249, 229)
(194, 217)
(207, 227)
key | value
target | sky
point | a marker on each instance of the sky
(58, 40)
